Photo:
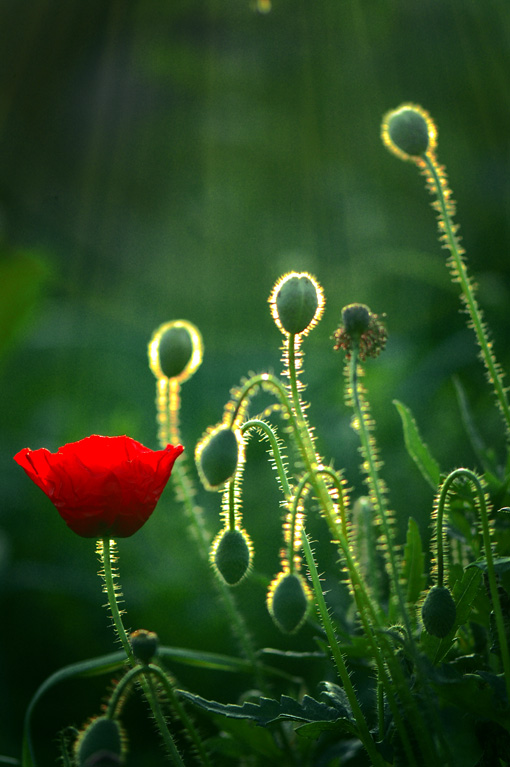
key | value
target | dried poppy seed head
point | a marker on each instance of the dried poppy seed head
(361, 330)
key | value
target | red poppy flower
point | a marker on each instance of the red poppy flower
(102, 487)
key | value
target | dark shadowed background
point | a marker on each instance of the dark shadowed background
(164, 160)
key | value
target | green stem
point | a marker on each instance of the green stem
(363, 730)
(374, 482)
(460, 275)
(146, 682)
(181, 713)
(367, 611)
(491, 571)
(185, 491)
(257, 423)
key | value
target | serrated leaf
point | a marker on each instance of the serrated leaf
(417, 448)
(501, 565)
(338, 697)
(414, 563)
(268, 710)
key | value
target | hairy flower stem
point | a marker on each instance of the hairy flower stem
(186, 493)
(116, 702)
(375, 485)
(364, 732)
(460, 275)
(395, 682)
(469, 475)
(104, 550)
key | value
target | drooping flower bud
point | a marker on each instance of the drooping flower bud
(101, 743)
(216, 456)
(144, 645)
(231, 555)
(288, 601)
(175, 350)
(297, 303)
(409, 132)
(439, 612)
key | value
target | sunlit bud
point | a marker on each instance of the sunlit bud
(175, 350)
(144, 645)
(216, 456)
(439, 612)
(297, 303)
(231, 555)
(100, 744)
(409, 132)
(288, 601)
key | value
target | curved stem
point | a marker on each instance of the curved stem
(105, 552)
(364, 732)
(257, 423)
(491, 571)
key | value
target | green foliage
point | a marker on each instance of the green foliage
(405, 697)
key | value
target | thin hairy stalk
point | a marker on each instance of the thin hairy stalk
(368, 612)
(374, 482)
(168, 418)
(460, 275)
(181, 712)
(258, 423)
(363, 729)
(469, 475)
(105, 552)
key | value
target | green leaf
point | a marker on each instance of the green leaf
(268, 710)
(501, 565)
(416, 448)
(414, 562)
(209, 660)
(312, 730)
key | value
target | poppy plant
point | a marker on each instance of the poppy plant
(102, 487)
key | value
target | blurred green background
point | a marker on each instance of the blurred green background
(164, 160)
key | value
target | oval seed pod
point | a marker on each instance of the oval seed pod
(175, 350)
(409, 132)
(101, 742)
(297, 303)
(288, 601)
(439, 612)
(231, 555)
(216, 456)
